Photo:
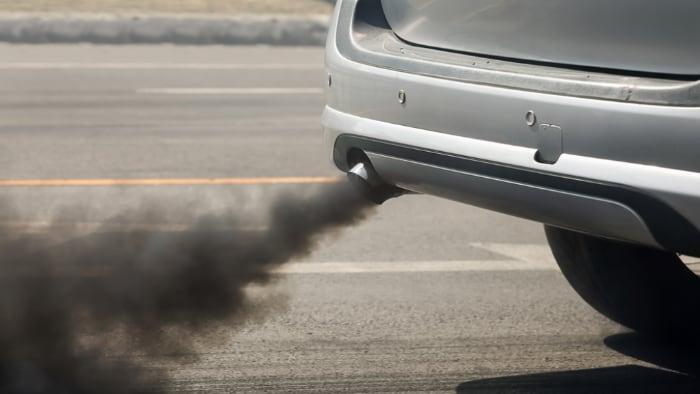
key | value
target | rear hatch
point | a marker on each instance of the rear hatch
(631, 36)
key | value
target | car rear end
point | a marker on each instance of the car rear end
(583, 115)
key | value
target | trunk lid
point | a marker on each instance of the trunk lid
(637, 36)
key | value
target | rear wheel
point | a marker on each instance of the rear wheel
(647, 290)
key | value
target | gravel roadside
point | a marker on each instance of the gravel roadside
(191, 22)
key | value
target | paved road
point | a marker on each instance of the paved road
(427, 295)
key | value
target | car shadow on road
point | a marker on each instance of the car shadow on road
(679, 372)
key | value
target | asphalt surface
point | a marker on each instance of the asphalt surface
(426, 295)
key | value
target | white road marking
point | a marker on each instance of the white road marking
(231, 91)
(690, 260)
(411, 266)
(541, 254)
(154, 66)
(517, 257)
(530, 253)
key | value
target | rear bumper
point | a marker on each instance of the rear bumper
(627, 171)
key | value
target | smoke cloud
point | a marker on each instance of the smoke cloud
(70, 309)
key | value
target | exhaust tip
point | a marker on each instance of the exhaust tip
(370, 185)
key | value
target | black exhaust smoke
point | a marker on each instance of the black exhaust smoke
(69, 310)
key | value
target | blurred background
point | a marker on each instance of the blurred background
(170, 6)
(213, 105)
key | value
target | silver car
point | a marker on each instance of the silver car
(582, 115)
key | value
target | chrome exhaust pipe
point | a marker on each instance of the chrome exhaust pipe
(370, 185)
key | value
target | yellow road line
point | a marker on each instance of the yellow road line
(167, 182)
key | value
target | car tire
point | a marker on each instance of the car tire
(648, 290)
